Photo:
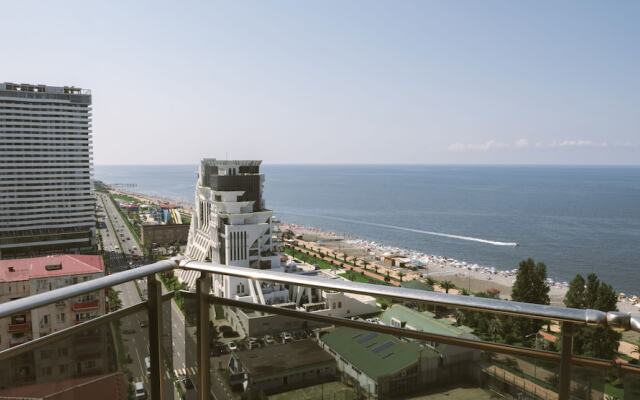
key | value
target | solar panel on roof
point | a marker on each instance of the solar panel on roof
(382, 347)
(367, 337)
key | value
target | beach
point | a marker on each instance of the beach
(472, 277)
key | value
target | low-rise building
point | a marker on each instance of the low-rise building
(382, 365)
(456, 361)
(67, 358)
(281, 367)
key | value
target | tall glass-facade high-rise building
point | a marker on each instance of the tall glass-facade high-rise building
(46, 198)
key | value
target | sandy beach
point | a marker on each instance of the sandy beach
(473, 277)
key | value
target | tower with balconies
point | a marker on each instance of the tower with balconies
(231, 226)
(46, 200)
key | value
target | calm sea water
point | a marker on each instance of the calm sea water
(575, 219)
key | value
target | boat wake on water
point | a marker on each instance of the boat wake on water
(402, 228)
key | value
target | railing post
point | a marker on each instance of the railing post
(203, 287)
(564, 389)
(154, 304)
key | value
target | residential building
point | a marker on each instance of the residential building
(82, 354)
(382, 365)
(46, 200)
(282, 367)
(232, 226)
(456, 360)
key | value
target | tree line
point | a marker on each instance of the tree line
(531, 286)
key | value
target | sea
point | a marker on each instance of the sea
(576, 220)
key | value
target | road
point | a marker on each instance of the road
(120, 245)
(118, 241)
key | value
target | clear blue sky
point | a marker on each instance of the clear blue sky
(341, 81)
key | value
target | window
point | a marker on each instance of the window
(339, 304)
(46, 354)
(61, 317)
(63, 352)
(62, 369)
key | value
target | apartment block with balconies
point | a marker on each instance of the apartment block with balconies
(46, 200)
(25, 277)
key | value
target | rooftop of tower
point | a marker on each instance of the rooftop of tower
(231, 163)
(37, 88)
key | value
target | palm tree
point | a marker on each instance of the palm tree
(431, 281)
(401, 274)
(446, 285)
(364, 264)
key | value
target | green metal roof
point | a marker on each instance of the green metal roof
(422, 321)
(374, 354)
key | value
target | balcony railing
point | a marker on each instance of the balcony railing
(499, 365)
(86, 305)
(22, 327)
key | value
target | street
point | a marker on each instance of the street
(119, 246)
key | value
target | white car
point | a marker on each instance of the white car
(141, 392)
(286, 337)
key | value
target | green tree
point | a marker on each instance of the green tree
(575, 295)
(531, 283)
(446, 285)
(599, 342)
(530, 287)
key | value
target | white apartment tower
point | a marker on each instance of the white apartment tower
(231, 226)
(46, 199)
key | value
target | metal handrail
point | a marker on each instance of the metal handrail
(615, 320)
(42, 299)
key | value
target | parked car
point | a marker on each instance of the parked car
(286, 337)
(252, 343)
(268, 339)
(141, 392)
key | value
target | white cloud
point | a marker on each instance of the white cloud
(488, 145)
(525, 143)
(577, 143)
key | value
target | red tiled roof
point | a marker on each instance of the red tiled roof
(30, 268)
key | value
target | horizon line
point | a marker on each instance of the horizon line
(390, 164)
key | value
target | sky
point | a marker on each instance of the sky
(341, 82)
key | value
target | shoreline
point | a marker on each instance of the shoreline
(473, 277)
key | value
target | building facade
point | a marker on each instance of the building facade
(80, 355)
(46, 200)
(231, 226)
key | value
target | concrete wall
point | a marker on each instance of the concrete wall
(165, 235)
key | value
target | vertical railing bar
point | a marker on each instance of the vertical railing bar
(564, 389)
(154, 302)
(203, 287)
